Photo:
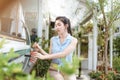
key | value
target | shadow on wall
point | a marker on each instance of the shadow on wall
(5, 6)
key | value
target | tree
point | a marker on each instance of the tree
(109, 17)
(108, 22)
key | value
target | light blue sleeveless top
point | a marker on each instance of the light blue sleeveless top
(59, 47)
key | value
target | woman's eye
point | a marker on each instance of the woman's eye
(58, 24)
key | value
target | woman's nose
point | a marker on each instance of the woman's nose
(56, 27)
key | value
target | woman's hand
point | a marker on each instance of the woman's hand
(33, 59)
(35, 45)
(38, 55)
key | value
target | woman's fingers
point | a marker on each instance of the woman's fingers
(39, 55)
(35, 54)
(33, 59)
(35, 45)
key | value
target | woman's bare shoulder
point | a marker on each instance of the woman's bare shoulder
(74, 39)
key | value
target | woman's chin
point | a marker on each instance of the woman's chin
(58, 33)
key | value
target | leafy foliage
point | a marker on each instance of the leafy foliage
(98, 75)
(2, 42)
(95, 75)
(116, 63)
(68, 68)
(108, 17)
(116, 45)
(11, 71)
(42, 67)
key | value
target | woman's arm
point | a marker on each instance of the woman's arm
(36, 45)
(41, 50)
(50, 47)
(64, 53)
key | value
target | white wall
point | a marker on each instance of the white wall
(30, 8)
(90, 51)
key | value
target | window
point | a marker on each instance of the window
(8, 28)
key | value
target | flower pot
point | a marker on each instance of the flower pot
(70, 77)
(92, 79)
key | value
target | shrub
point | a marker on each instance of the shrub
(69, 69)
(42, 67)
(11, 71)
(116, 63)
(95, 75)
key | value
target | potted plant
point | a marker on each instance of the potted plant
(95, 75)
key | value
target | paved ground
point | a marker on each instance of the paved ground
(84, 75)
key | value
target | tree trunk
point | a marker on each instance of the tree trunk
(106, 50)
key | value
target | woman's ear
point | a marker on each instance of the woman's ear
(66, 25)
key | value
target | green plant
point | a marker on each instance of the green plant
(116, 63)
(11, 71)
(110, 76)
(117, 76)
(2, 42)
(95, 75)
(98, 75)
(108, 21)
(42, 66)
(116, 46)
(69, 69)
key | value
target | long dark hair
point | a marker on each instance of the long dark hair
(65, 21)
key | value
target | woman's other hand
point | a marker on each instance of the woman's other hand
(32, 58)
(35, 45)
(38, 55)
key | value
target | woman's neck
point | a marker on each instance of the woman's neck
(63, 35)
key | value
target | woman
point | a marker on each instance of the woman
(61, 46)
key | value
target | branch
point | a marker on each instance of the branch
(114, 18)
(102, 9)
(116, 11)
(117, 18)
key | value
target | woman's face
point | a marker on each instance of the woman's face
(60, 27)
